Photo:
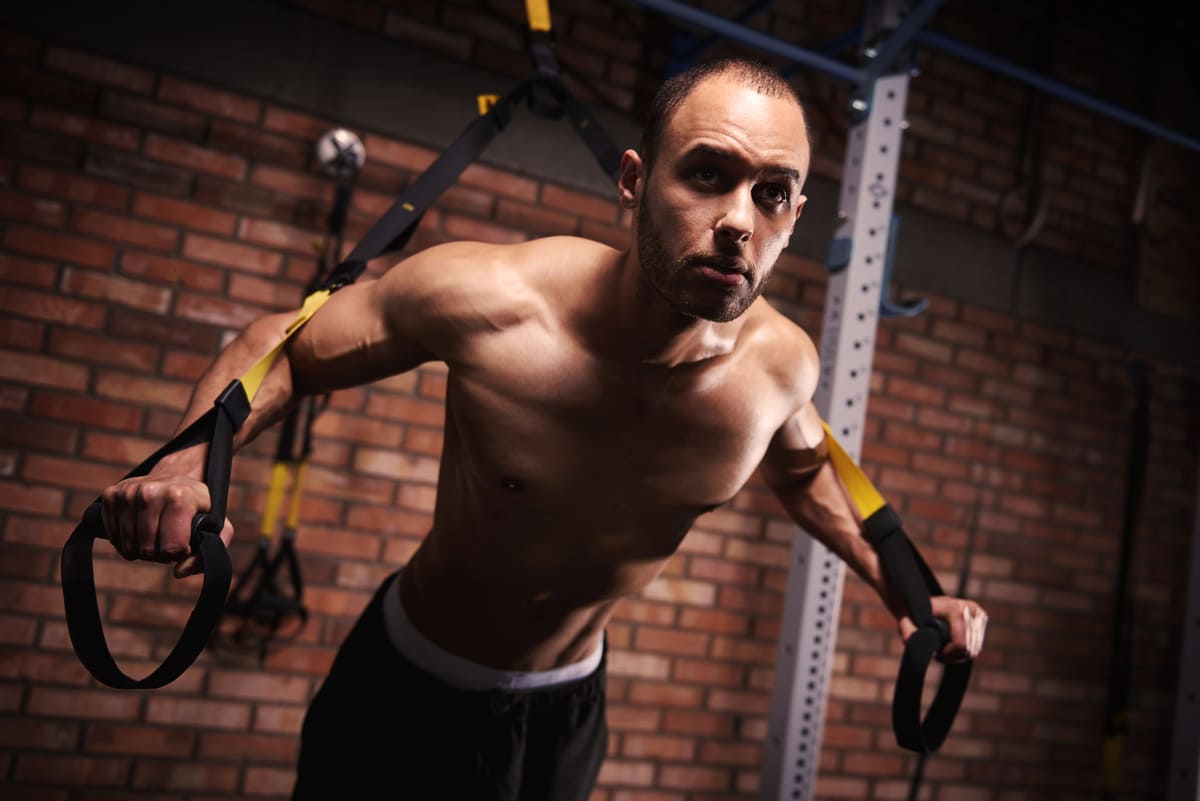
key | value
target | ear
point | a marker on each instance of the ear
(631, 179)
(800, 201)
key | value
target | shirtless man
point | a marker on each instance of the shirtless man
(598, 403)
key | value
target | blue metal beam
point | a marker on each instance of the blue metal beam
(972, 55)
(1050, 86)
(753, 38)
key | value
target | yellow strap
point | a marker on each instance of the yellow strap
(253, 378)
(486, 102)
(293, 518)
(538, 12)
(279, 477)
(866, 498)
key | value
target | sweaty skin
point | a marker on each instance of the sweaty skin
(598, 401)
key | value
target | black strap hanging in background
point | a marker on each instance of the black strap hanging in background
(1116, 721)
(390, 233)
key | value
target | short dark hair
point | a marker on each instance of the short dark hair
(675, 90)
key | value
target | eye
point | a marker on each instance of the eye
(705, 175)
(773, 194)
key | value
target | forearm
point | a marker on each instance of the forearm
(823, 508)
(272, 399)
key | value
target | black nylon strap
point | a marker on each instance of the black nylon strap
(78, 579)
(911, 577)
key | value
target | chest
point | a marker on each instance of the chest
(555, 417)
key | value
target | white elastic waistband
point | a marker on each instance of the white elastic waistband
(463, 673)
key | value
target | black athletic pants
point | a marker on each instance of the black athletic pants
(380, 728)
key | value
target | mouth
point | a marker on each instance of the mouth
(725, 269)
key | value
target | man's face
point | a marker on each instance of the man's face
(723, 196)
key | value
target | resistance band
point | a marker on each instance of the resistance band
(910, 576)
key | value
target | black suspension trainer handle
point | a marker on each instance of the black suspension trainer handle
(908, 573)
(218, 426)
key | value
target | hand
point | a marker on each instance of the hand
(150, 518)
(967, 620)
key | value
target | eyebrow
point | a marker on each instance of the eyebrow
(726, 155)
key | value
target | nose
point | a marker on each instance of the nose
(736, 223)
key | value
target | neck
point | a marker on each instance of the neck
(641, 323)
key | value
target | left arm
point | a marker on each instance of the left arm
(805, 481)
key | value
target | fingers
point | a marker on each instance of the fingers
(191, 565)
(151, 519)
(968, 625)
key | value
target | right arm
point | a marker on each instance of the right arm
(364, 332)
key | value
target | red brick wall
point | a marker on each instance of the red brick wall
(147, 217)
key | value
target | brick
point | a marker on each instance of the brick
(408, 157)
(42, 370)
(403, 409)
(184, 775)
(216, 311)
(137, 740)
(534, 219)
(681, 591)
(29, 81)
(236, 746)
(150, 114)
(200, 277)
(89, 129)
(232, 254)
(27, 208)
(72, 770)
(294, 124)
(392, 464)
(25, 144)
(71, 473)
(256, 685)
(83, 704)
(169, 331)
(37, 435)
(500, 182)
(272, 294)
(694, 777)
(262, 781)
(142, 390)
(183, 213)
(71, 186)
(102, 70)
(94, 412)
(192, 156)
(59, 246)
(258, 145)
(278, 236)
(130, 169)
(664, 694)
(206, 99)
(450, 43)
(291, 182)
(21, 333)
(199, 713)
(665, 747)
(459, 227)
(117, 290)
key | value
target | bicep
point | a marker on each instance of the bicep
(364, 332)
(797, 450)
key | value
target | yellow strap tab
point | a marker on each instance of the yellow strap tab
(486, 102)
(279, 477)
(253, 378)
(866, 498)
(293, 518)
(538, 12)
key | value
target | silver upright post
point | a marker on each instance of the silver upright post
(1184, 779)
(814, 591)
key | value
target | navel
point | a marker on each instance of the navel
(511, 484)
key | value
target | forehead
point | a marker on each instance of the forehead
(726, 113)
